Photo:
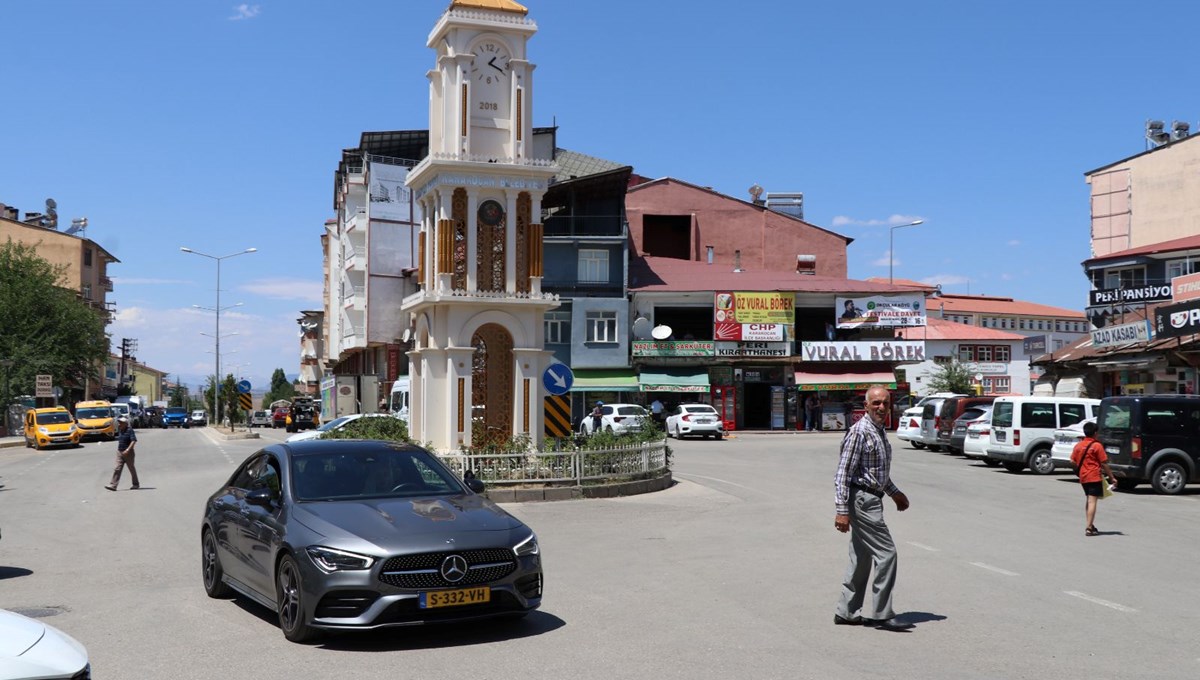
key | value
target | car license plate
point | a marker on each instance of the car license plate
(455, 598)
(1001, 436)
(703, 421)
(973, 435)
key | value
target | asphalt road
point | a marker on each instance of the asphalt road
(732, 573)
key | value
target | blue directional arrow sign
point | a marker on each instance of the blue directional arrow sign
(558, 379)
(243, 387)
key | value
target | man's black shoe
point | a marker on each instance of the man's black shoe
(852, 621)
(889, 624)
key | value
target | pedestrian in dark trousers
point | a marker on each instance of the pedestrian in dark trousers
(1090, 462)
(863, 477)
(126, 442)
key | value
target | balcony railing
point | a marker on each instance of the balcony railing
(106, 283)
(584, 226)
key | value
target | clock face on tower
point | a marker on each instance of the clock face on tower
(490, 76)
(491, 213)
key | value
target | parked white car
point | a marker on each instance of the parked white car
(32, 649)
(261, 419)
(1065, 439)
(615, 418)
(689, 420)
(335, 424)
(979, 434)
(909, 427)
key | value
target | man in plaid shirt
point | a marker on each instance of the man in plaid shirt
(863, 477)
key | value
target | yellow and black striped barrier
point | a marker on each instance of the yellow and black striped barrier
(558, 416)
(245, 401)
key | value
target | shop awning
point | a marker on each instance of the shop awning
(844, 379)
(604, 380)
(674, 380)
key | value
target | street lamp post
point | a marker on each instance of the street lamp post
(892, 244)
(217, 310)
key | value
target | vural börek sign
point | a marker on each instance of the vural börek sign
(863, 350)
(752, 317)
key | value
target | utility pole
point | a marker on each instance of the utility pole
(128, 347)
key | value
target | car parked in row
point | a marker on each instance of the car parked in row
(908, 428)
(615, 418)
(695, 420)
(980, 413)
(198, 419)
(322, 559)
(975, 443)
(931, 415)
(1023, 429)
(261, 419)
(45, 427)
(1152, 438)
(1065, 439)
(952, 409)
(279, 417)
(152, 416)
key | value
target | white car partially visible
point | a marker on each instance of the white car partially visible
(979, 434)
(30, 649)
(909, 428)
(1065, 439)
(335, 424)
(688, 420)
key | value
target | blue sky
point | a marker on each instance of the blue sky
(218, 126)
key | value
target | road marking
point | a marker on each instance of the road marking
(717, 479)
(998, 570)
(922, 546)
(1104, 603)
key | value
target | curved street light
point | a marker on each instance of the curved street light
(892, 244)
(217, 310)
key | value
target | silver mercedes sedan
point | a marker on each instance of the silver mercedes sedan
(354, 534)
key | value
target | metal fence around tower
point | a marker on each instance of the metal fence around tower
(578, 466)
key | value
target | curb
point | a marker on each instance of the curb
(213, 434)
(12, 444)
(569, 493)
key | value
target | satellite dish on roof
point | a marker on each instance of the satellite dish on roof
(641, 328)
(406, 335)
(661, 332)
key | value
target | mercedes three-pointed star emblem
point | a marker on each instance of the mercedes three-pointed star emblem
(454, 568)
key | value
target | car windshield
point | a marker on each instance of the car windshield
(700, 409)
(197, 414)
(176, 410)
(334, 424)
(339, 474)
(53, 418)
(631, 411)
(971, 414)
(1002, 414)
(98, 412)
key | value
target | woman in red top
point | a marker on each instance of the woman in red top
(1090, 460)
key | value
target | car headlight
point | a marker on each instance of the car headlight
(44, 430)
(528, 546)
(331, 560)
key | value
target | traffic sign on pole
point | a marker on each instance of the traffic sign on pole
(243, 387)
(44, 386)
(558, 379)
(245, 401)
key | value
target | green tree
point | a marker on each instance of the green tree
(280, 388)
(178, 394)
(951, 377)
(46, 328)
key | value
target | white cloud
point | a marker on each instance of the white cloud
(945, 280)
(287, 289)
(245, 11)
(844, 221)
(133, 281)
(1006, 277)
(1014, 242)
(886, 260)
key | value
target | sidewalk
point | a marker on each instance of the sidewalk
(8, 442)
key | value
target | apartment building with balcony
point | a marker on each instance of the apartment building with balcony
(312, 352)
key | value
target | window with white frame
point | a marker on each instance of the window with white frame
(1181, 268)
(593, 265)
(984, 353)
(1130, 277)
(996, 384)
(558, 328)
(601, 326)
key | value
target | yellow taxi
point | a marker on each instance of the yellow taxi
(50, 427)
(96, 420)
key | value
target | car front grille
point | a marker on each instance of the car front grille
(423, 570)
(347, 604)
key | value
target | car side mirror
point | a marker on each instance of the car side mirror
(261, 497)
(475, 485)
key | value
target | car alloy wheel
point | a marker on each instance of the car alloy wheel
(289, 588)
(212, 572)
(1169, 478)
(1041, 462)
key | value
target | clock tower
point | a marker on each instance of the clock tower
(477, 317)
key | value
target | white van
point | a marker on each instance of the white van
(1023, 429)
(398, 400)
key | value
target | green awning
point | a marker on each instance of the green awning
(674, 380)
(604, 380)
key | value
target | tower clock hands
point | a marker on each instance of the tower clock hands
(492, 63)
